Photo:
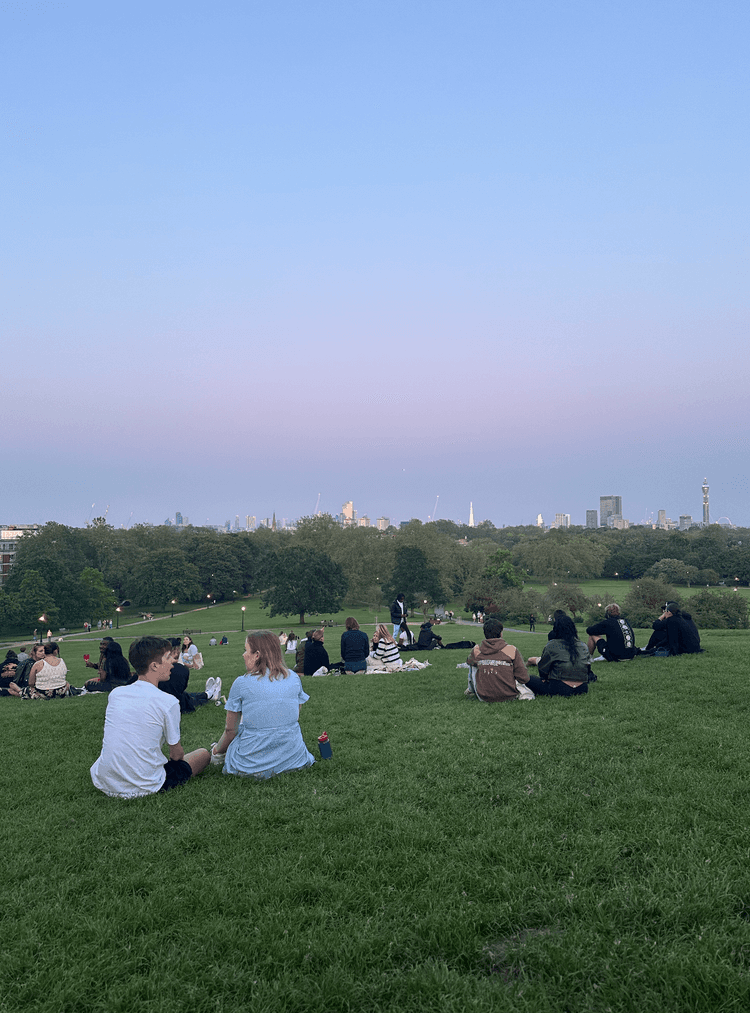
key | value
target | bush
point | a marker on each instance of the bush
(645, 601)
(719, 610)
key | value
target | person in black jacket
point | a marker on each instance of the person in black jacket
(427, 640)
(399, 612)
(613, 637)
(316, 656)
(675, 631)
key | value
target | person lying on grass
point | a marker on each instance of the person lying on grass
(138, 721)
(495, 668)
(565, 664)
(268, 698)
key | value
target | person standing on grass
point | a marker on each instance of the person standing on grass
(613, 637)
(496, 668)
(399, 612)
(138, 721)
(565, 664)
(262, 736)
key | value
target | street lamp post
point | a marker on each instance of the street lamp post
(243, 618)
(118, 610)
(173, 603)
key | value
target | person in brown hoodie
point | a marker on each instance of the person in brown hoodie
(494, 667)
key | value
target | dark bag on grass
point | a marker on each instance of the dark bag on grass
(461, 645)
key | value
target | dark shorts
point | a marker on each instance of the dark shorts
(178, 772)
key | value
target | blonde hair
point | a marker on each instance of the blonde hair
(270, 661)
(382, 633)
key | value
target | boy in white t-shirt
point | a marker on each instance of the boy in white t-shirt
(139, 720)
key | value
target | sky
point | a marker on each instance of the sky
(379, 250)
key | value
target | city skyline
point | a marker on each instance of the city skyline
(379, 252)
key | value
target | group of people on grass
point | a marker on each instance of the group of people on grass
(261, 736)
(497, 670)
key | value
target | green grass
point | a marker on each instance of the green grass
(558, 855)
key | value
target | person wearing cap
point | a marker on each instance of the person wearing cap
(613, 637)
(674, 631)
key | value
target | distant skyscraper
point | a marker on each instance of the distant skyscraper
(661, 519)
(705, 502)
(685, 521)
(539, 521)
(609, 506)
(592, 519)
(249, 522)
(347, 513)
(382, 523)
(178, 518)
(562, 520)
(471, 515)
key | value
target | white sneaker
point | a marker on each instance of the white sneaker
(210, 683)
(216, 692)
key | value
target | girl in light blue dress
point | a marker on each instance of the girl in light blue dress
(262, 736)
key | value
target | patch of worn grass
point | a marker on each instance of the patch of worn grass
(585, 854)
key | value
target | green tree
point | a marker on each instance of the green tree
(413, 577)
(500, 569)
(673, 571)
(95, 598)
(646, 600)
(34, 600)
(561, 555)
(164, 574)
(569, 597)
(366, 557)
(304, 580)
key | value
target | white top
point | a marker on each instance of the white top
(51, 676)
(291, 646)
(186, 657)
(139, 720)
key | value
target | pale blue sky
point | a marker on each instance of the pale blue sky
(252, 252)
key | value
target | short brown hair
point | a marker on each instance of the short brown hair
(144, 650)
(351, 623)
(492, 629)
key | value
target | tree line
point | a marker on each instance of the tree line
(77, 574)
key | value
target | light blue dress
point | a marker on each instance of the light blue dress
(269, 739)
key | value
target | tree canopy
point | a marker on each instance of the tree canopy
(304, 580)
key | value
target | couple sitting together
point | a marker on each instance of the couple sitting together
(497, 670)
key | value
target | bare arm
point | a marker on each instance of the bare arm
(176, 752)
(229, 733)
(34, 672)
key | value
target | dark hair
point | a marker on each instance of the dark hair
(51, 648)
(11, 655)
(175, 642)
(565, 629)
(492, 629)
(399, 597)
(114, 665)
(144, 650)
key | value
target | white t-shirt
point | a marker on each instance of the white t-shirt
(139, 720)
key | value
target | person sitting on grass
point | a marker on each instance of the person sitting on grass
(316, 656)
(355, 647)
(138, 721)
(103, 644)
(385, 654)
(613, 637)
(24, 669)
(427, 640)
(565, 664)
(405, 636)
(177, 683)
(114, 671)
(262, 736)
(47, 678)
(496, 668)
(188, 653)
(674, 631)
(8, 684)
